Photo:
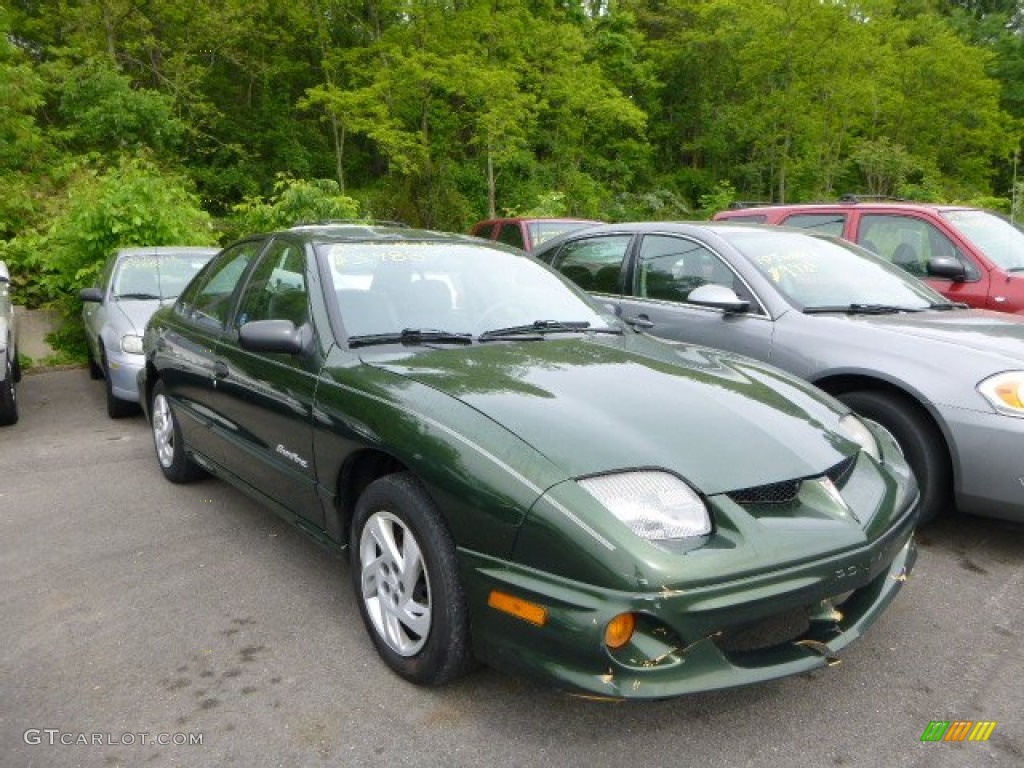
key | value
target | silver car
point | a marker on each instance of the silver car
(946, 381)
(132, 285)
(10, 371)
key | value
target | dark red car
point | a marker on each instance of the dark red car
(526, 233)
(966, 254)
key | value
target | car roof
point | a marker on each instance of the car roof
(356, 233)
(878, 205)
(344, 232)
(166, 250)
(528, 219)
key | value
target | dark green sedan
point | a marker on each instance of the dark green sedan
(520, 479)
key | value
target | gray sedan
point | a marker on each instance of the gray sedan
(133, 284)
(946, 381)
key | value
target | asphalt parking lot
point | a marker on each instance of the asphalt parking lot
(135, 611)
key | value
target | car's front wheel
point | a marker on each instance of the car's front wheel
(8, 397)
(405, 576)
(920, 440)
(170, 448)
(116, 407)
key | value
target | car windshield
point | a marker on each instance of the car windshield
(542, 231)
(455, 288)
(993, 235)
(816, 272)
(148, 277)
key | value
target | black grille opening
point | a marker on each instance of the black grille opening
(785, 491)
(774, 630)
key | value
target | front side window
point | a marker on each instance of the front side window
(594, 263)
(208, 299)
(826, 223)
(907, 242)
(277, 289)
(669, 268)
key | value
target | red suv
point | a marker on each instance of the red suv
(966, 254)
(526, 233)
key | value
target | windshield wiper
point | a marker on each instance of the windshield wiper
(411, 336)
(944, 305)
(860, 309)
(538, 328)
(140, 296)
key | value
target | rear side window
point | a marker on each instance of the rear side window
(748, 218)
(511, 234)
(826, 223)
(594, 263)
(483, 230)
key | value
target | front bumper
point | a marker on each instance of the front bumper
(123, 370)
(988, 462)
(687, 640)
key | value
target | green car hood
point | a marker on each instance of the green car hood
(607, 403)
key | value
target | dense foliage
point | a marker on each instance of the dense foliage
(441, 112)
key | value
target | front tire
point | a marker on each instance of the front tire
(8, 397)
(920, 440)
(116, 407)
(405, 575)
(170, 448)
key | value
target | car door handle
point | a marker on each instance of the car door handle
(640, 321)
(220, 369)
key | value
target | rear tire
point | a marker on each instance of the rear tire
(921, 441)
(405, 576)
(170, 447)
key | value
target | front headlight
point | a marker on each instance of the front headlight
(856, 430)
(655, 505)
(1005, 391)
(131, 344)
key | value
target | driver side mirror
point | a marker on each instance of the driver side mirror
(274, 337)
(947, 267)
(93, 294)
(718, 297)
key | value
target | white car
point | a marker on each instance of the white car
(133, 284)
(10, 371)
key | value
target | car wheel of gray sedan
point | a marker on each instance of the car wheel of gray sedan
(921, 442)
(8, 398)
(170, 448)
(405, 576)
(95, 370)
(116, 407)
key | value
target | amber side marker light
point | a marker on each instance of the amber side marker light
(515, 606)
(619, 630)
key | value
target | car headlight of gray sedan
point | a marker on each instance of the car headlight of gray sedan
(1005, 392)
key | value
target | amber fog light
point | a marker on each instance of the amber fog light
(619, 630)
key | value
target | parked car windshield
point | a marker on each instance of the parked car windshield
(147, 277)
(996, 237)
(459, 288)
(542, 231)
(823, 272)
